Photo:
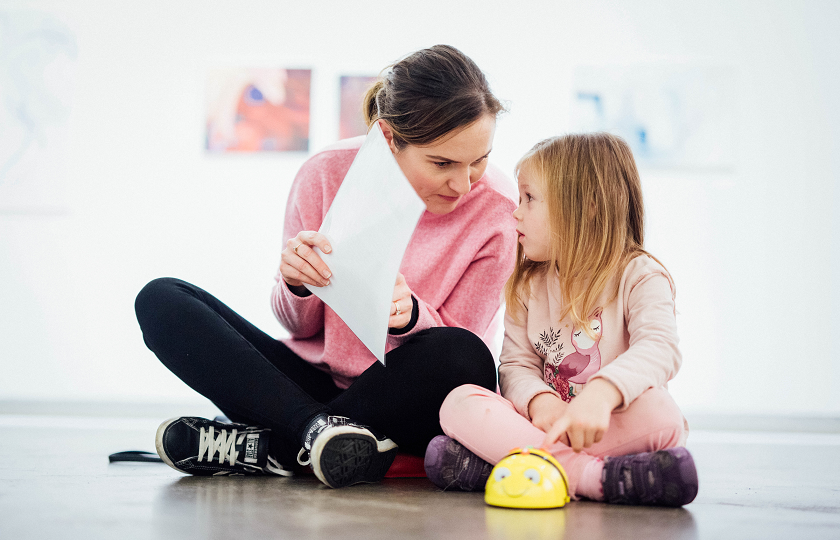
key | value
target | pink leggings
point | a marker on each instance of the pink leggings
(489, 426)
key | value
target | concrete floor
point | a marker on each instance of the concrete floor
(55, 482)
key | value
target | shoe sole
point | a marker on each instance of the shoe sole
(159, 443)
(351, 456)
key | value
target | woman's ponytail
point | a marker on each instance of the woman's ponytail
(371, 108)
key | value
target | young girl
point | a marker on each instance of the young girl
(590, 340)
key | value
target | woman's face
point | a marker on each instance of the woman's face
(444, 171)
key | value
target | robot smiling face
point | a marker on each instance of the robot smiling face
(527, 478)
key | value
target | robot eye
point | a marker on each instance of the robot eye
(533, 475)
(501, 473)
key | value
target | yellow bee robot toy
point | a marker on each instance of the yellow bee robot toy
(527, 478)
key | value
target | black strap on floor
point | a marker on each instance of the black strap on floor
(149, 457)
(135, 455)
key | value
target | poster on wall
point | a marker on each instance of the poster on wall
(37, 67)
(351, 120)
(258, 110)
(672, 116)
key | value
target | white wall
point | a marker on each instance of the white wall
(755, 251)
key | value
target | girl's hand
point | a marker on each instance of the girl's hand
(402, 299)
(545, 409)
(587, 417)
(300, 264)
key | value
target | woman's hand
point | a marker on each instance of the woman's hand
(402, 300)
(587, 417)
(300, 264)
(545, 409)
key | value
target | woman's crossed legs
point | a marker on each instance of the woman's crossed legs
(257, 380)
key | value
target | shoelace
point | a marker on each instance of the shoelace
(274, 466)
(303, 462)
(319, 426)
(223, 443)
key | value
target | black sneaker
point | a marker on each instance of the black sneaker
(207, 448)
(343, 453)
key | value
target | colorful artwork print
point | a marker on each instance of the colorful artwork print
(586, 360)
(351, 121)
(258, 110)
(563, 371)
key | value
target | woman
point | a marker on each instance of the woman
(321, 396)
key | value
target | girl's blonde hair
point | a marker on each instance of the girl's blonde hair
(596, 220)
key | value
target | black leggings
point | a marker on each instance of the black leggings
(257, 380)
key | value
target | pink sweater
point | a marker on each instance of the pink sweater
(455, 264)
(636, 346)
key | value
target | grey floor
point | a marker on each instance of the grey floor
(55, 482)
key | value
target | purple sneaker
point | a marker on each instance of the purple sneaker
(449, 465)
(663, 478)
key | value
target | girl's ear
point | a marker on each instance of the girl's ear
(389, 135)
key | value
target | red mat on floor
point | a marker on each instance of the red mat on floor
(406, 466)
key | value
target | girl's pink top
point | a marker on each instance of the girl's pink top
(456, 264)
(635, 345)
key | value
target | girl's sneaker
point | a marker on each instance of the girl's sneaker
(342, 452)
(207, 448)
(450, 466)
(663, 478)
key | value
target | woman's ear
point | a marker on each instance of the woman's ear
(389, 135)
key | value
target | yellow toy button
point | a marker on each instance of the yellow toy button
(527, 478)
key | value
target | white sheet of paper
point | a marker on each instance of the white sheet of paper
(369, 225)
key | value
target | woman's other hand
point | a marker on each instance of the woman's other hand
(402, 304)
(300, 264)
(587, 417)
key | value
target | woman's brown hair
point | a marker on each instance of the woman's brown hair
(596, 220)
(428, 94)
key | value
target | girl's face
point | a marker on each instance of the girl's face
(532, 216)
(443, 172)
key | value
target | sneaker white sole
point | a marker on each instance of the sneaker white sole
(378, 457)
(159, 443)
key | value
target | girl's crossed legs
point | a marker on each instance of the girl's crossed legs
(489, 426)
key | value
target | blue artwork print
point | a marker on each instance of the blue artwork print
(671, 116)
(37, 56)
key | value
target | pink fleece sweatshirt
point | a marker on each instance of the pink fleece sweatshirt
(455, 264)
(636, 346)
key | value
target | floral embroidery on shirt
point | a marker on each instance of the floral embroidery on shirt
(557, 383)
(547, 341)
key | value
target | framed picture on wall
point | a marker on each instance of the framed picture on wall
(351, 121)
(38, 54)
(674, 116)
(258, 110)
